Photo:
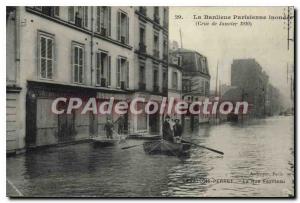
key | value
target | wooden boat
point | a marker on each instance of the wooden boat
(167, 148)
(104, 142)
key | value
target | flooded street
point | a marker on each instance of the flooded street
(258, 161)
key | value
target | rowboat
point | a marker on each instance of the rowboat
(167, 148)
(104, 142)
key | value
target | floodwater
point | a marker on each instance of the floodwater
(258, 161)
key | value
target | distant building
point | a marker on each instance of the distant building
(248, 75)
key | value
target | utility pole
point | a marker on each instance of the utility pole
(180, 38)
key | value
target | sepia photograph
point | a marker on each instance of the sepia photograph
(150, 101)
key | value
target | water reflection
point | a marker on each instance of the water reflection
(256, 150)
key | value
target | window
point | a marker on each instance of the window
(142, 73)
(156, 45)
(78, 15)
(155, 77)
(48, 10)
(103, 20)
(165, 17)
(142, 34)
(56, 11)
(123, 27)
(77, 63)
(175, 80)
(165, 79)
(46, 56)
(156, 14)
(102, 69)
(122, 73)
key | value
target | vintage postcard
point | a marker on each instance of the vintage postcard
(150, 101)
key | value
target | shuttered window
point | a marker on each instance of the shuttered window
(103, 20)
(123, 27)
(46, 56)
(77, 63)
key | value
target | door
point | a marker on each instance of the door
(66, 127)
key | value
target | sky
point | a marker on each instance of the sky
(265, 40)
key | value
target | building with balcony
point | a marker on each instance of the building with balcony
(150, 62)
(64, 52)
(77, 51)
(175, 79)
(195, 80)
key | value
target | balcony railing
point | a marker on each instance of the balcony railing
(155, 88)
(142, 48)
(123, 39)
(165, 57)
(78, 22)
(165, 24)
(156, 18)
(103, 82)
(165, 90)
(142, 86)
(103, 32)
(156, 53)
(143, 10)
(123, 85)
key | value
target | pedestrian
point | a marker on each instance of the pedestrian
(177, 130)
(121, 125)
(167, 130)
(108, 127)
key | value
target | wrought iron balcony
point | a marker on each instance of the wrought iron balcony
(165, 90)
(156, 18)
(155, 88)
(103, 32)
(123, 40)
(103, 82)
(165, 57)
(142, 48)
(143, 10)
(142, 86)
(156, 53)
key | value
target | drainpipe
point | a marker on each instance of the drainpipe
(92, 43)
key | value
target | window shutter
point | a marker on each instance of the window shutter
(127, 30)
(56, 11)
(49, 58)
(119, 26)
(86, 16)
(71, 13)
(127, 74)
(80, 65)
(43, 57)
(98, 19)
(109, 71)
(109, 21)
(98, 68)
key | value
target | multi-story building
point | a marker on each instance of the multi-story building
(151, 62)
(195, 78)
(175, 79)
(248, 75)
(78, 52)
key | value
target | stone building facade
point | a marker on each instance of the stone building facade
(77, 52)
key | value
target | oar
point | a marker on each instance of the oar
(128, 147)
(213, 150)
